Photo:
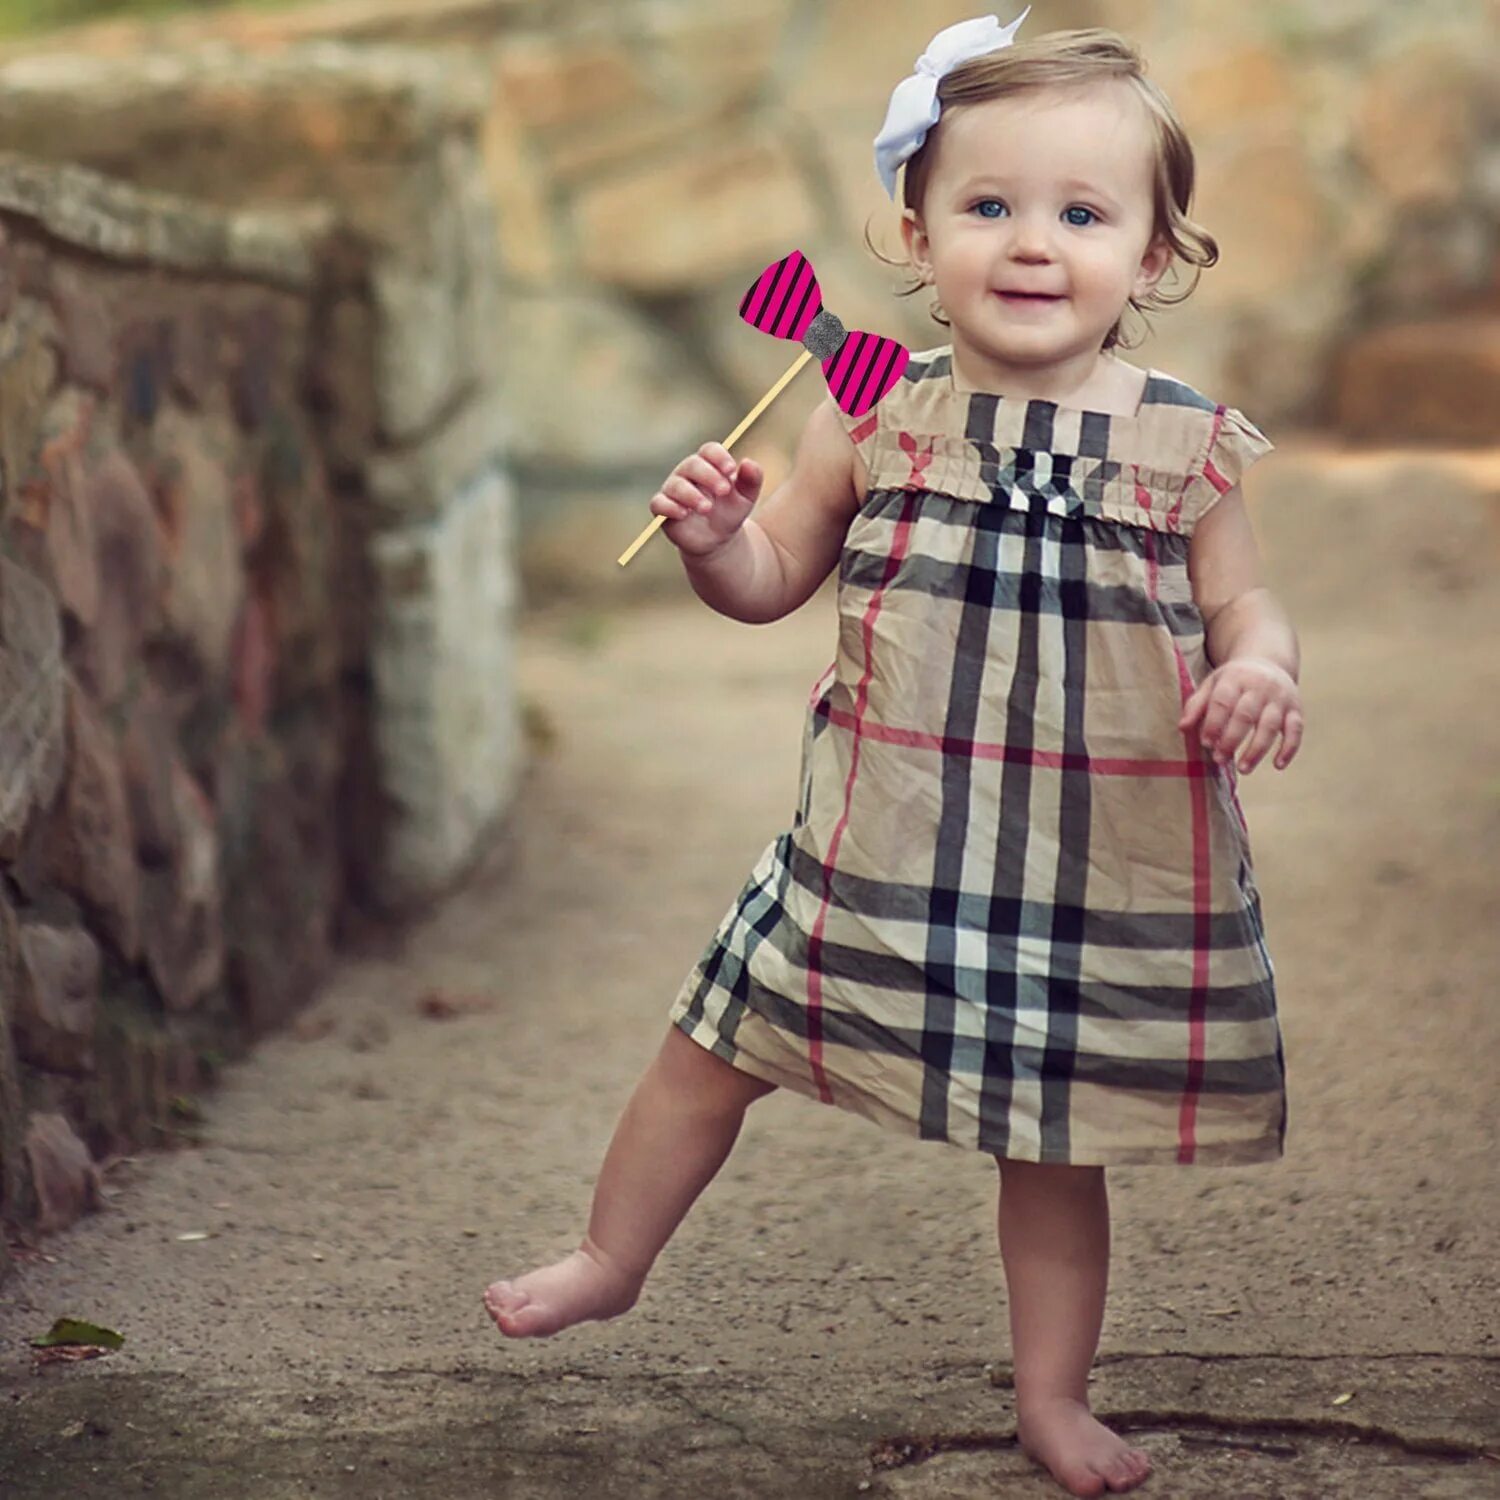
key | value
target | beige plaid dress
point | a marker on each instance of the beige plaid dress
(1015, 910)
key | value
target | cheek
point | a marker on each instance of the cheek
(1105, 269)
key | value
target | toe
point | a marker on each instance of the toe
(1082, 1479)
(1127, 1470)
(503, 1297)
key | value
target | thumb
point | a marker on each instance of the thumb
(749, 478)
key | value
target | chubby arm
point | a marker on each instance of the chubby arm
(774, 563)
(1241, 616)
(1252, 693)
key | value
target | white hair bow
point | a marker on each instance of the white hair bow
(914, 106)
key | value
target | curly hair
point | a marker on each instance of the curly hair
(1071, 59)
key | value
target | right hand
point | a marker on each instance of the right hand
(707, 498)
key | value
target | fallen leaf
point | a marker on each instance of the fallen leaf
(75, 1331)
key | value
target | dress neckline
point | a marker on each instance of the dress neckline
(1029, 402)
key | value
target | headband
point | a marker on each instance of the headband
(914, 106)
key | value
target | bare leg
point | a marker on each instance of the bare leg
(1054, 1242)
(676, 1131)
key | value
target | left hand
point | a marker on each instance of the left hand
(1247, 695)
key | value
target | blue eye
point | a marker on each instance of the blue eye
(1089, 216)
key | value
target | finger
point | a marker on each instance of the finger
(1241, 717)
(719, 456)
(686, 494)
(1193, 708)
(708, 479)
(1291, 738)
(1262, 737)
(1217, 712)
(664, 505)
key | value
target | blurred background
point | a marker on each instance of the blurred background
(335, 340)
(647, 157)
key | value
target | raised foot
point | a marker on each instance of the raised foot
(580, 1287)
(1079, 1450)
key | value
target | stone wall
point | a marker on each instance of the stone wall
(256, 562)
(172, 638)
(649, 157)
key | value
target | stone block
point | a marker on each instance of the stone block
(86, 328)
(63, 1175)
(132, 556)
(181, 905)
(15, 1190)
(598, 388)
(446, 721)
(31, 702)
(85, 844)
(434, 300)
(554, 81)
(341, 379)
(57, 998)
(54, 507)
(417, 483)
(292, 593)
(1436, 382)
(685, 220)
(1416, 119)
(701, 55)
(527, 243)
(280, 862)
(28, 370)
(1260, 197)
(205, 583)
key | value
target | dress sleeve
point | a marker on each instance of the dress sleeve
(1236, 444)
(861, 432)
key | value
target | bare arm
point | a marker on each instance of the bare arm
(1253, 689)
(1241, 615)
(774, 563)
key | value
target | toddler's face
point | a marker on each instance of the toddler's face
(1037, 224)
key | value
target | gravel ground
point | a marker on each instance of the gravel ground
(830, 1321)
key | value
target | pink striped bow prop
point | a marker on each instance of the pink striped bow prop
(860, 367)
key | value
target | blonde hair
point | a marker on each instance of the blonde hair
(1070, 59)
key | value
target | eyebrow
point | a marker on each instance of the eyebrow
(1073, 184)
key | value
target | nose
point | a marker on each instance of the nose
(1031, 238)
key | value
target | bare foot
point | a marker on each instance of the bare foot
(1079, 1450)
(581, 1286)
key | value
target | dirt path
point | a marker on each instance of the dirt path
(836, 1298)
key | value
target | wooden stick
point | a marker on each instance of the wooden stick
(760, 406)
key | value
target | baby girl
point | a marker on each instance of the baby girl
(1015, 910)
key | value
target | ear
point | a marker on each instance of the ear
(1153, 266)
(914, 236)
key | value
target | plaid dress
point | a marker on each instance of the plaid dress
(1015, 910)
